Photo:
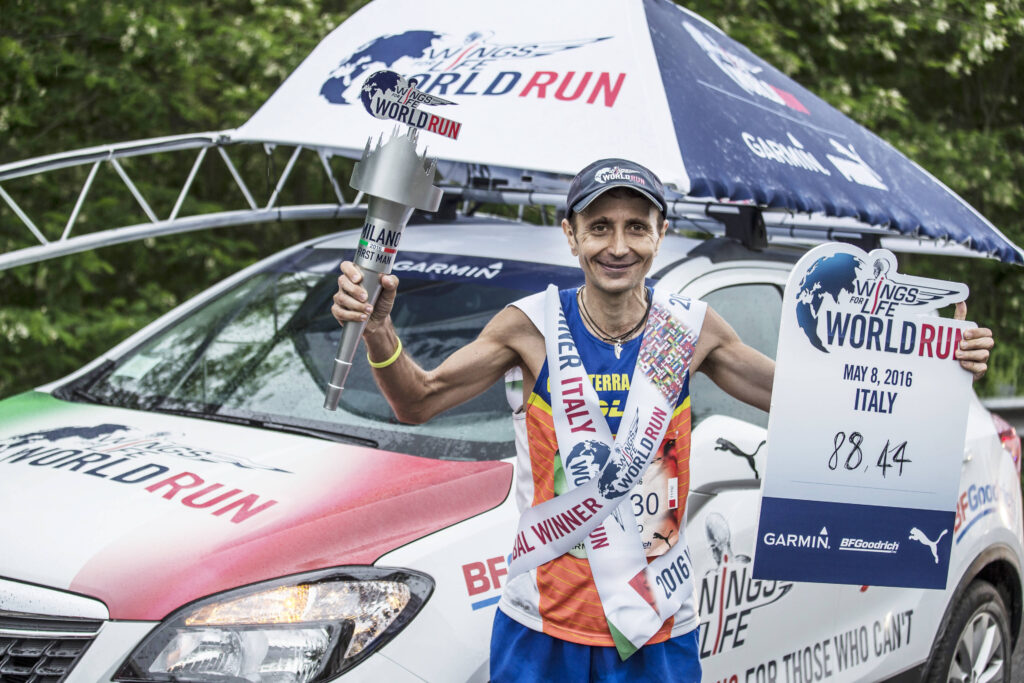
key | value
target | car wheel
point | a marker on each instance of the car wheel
(975, 643)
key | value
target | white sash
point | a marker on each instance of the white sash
(637, 597)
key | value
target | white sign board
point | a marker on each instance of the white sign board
(867, 425)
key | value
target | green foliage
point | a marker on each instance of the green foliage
(940, 80)
(77, 73)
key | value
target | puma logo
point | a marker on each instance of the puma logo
(918, 535)
(664, 538)
(726, 445)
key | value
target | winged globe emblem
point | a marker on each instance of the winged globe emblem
(389, 95)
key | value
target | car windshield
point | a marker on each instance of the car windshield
(263, 351)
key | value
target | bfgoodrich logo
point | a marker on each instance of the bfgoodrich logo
(876, 546)
(819, 542)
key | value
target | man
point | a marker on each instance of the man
(561, 617)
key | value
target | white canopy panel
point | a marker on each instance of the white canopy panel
(540, 86)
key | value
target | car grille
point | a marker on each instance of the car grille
(40, 649)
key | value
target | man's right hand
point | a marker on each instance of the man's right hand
(416, 394)
(350, 304)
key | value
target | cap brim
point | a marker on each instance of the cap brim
(582, 204)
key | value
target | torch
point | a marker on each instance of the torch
(396, 180)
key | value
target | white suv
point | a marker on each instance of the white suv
(183, 508)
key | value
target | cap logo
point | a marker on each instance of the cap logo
(612, 173)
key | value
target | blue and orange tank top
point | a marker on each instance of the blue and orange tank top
(559, 597)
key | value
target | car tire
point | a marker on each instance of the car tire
(975, 642)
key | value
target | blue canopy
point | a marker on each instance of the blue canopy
(748, 132)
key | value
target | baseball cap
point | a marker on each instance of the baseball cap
(604, 174)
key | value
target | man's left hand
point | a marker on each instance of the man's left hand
(974, 347)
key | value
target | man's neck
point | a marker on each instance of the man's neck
(614, 313)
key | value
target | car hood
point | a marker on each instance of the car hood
(147, 512)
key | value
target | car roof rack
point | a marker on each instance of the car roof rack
(743, 223)
(724, 249)
(481, 186)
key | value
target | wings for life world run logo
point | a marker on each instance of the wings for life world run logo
(729, 593)
(125, 456)
(610, 174)
(791, 151)
(474, 65)
(742, 72)
(94, 444)
(867, 298)
(386, 95)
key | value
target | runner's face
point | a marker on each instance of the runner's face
(615, 239)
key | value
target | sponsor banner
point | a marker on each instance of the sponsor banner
(977, 502)
(869, 412)
(853, 654)
(750, 133)
(873, 545)
(654, 82)
(501, 272)
(413, 265)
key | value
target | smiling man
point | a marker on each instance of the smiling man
(581, 607)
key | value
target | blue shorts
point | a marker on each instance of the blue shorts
(520, 654)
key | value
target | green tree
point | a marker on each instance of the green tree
(76, 74)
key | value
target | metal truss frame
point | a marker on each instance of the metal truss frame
(94, 157)
(684, 214)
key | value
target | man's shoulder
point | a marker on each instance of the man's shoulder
(515, 329)
(532, 307)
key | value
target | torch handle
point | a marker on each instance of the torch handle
(375, 254)
(350, 335)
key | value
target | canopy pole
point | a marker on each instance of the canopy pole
(238, 178)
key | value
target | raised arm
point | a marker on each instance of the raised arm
(415, 394)
(739, 370)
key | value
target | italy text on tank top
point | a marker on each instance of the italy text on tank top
(567, 604)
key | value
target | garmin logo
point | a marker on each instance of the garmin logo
(612, 173)
(799, 540)
(453, 269)
(792, 154)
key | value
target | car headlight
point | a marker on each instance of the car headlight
(300, 629)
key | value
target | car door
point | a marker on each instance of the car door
(751, 630)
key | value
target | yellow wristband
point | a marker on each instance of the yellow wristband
(389, 361)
